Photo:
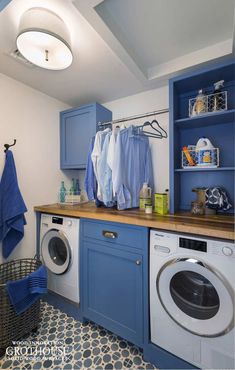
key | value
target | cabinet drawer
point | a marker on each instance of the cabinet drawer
(115, 233)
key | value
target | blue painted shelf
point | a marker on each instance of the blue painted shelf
(207, 119)
(219, 127)
(197, 169)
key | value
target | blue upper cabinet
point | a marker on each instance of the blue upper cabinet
(77, 126)
(4, 3)
(184, 130)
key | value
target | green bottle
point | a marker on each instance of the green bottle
(62, 192)
(72, 189)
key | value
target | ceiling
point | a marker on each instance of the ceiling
(122, 47)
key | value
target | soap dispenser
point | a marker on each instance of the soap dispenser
(217, 99)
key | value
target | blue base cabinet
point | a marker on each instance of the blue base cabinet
(112, 268)
(77, 126)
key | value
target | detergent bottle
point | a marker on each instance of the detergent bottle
(205, 153)
(145, 196)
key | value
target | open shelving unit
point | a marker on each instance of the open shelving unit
(219, 127)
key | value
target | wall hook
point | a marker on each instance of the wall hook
(7, 146)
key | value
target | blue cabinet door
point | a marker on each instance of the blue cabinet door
(112, 291)
(77, 126)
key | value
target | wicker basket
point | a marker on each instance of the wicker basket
(13, 326)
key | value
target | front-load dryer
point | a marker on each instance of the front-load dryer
(192, 283)
(59, 248)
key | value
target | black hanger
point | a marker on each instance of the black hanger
(151, 134)
(162, 132)
(7, 146)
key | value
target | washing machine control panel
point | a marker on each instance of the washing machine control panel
(165, 243)
(193, 244)
(57, 220)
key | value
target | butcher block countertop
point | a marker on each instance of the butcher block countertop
(216, 226)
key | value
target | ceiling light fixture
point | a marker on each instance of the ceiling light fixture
(44, 39)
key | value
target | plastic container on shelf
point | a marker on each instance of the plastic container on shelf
(205, 151)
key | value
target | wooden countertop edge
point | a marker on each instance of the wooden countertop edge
(177, 223)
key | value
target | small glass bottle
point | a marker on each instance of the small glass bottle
(77, 188)
(72, 189)
(62, 192)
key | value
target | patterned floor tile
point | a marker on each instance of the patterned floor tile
(64, 343)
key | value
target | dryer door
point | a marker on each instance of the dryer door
(56, 252)
(196, 297)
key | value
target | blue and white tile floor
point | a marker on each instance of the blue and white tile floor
(64, 343)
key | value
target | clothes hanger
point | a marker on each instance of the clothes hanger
(162, 132)
(148, 133)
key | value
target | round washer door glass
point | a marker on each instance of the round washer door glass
(55, 251)
(195, 297)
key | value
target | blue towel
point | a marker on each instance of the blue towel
(12, 208)
(24, 292)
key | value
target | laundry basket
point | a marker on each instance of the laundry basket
(13, 326)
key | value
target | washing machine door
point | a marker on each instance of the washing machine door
(195, 297)
(56, 252)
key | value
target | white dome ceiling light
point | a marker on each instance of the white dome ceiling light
(44, 39)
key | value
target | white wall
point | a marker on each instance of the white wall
(31, 118)
(147, 102)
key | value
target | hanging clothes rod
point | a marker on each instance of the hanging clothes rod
(138, 116)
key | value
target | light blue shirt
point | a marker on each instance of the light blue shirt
(90, 180)
(132, 167)
(105, 174)
(95, 157)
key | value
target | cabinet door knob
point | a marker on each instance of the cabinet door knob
(138, 262)
(109, 234)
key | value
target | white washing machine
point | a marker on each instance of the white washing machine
(59, 244)
(192, 288)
